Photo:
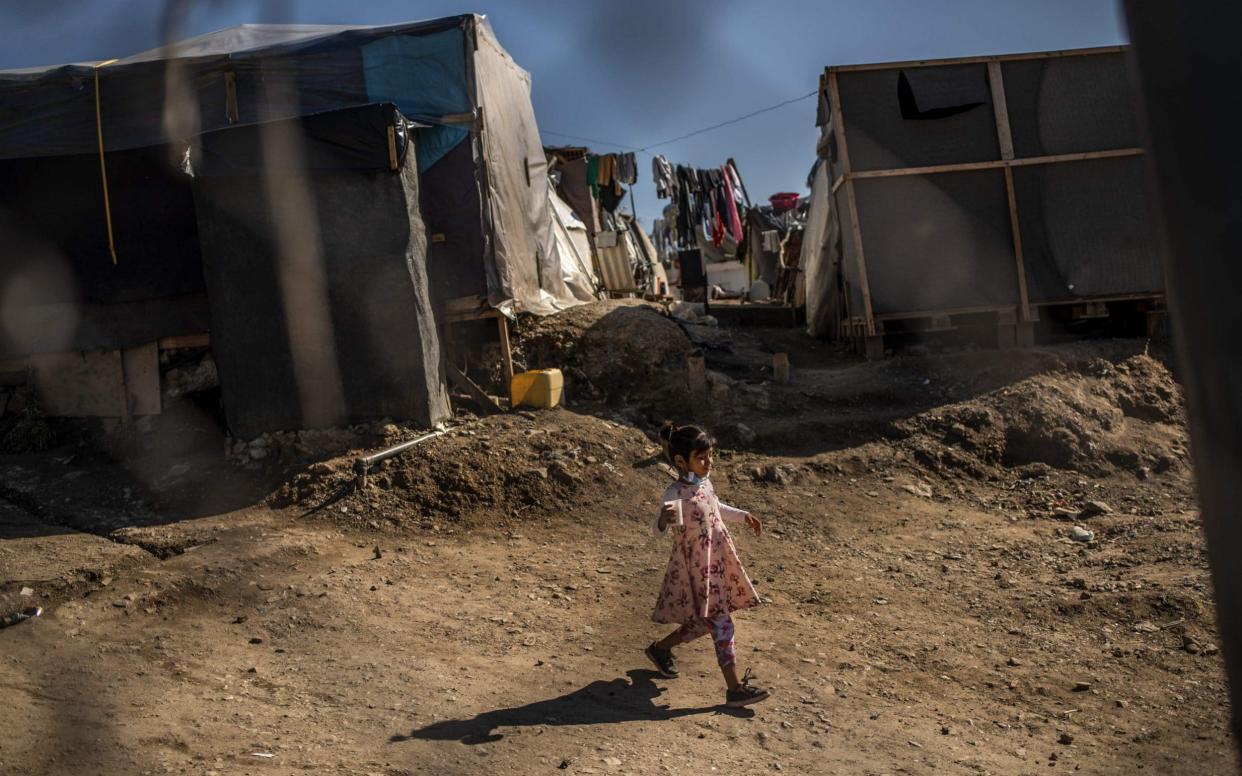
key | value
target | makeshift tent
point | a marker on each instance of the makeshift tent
(99, 162)
(624, 259)
(354, 337)
(984, 184)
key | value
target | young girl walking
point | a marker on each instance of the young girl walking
(705, 580)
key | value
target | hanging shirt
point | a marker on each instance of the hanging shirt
(592, 175)
(735, 221)
(662, 174)
(628, 166)
(607, 169)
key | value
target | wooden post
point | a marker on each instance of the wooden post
(873, 346)
(392, 147)
(506, 356)
(1005, 138)
(1000, 109)
(231, 113)
(852, 199)
(123, 389)
(780, 367)
(1157, 325)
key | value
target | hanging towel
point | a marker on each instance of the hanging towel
(607, 169)
(592, 175)
(627, 170)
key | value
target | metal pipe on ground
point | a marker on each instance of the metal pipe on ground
(364, 464)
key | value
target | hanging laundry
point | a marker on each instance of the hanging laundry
(707, 204)
(735, 221)
(785, 200)
(628, 166)
(592, 175)
(610, 196)
(662, 174)
(607, 169)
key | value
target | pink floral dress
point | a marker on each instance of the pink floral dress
(705, 578)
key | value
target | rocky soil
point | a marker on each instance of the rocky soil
(984, 563)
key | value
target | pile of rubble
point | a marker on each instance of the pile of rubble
(288, 447)
(1095, 417)
(23, 429)
(514, 464)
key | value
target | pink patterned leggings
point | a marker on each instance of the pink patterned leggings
(721, 629)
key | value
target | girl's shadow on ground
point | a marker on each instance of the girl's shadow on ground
(600, 702)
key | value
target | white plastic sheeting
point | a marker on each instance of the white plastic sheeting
(523, 242)
(568, 274)
(819, 260)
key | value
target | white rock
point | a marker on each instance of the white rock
(1080, 534)
(918, 489)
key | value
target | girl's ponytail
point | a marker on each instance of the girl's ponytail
(666, 432)
(684, 441)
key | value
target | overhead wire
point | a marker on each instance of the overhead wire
(646, 148)
(730, 121)
(591, 140)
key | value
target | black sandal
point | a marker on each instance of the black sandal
(745, 694)
(665, 663)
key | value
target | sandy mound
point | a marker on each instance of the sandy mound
(506, 463)
(1092, 416)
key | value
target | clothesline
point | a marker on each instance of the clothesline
(647, 148)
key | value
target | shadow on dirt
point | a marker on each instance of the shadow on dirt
(158, 470)
(600, 702)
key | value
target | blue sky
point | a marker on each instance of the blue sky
(636, 72)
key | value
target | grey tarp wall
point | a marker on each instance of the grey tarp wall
(942, 240)
(517, 184)
(256, 73)
(59, 289)
(361, 345)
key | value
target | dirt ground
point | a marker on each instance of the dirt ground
(482, 604)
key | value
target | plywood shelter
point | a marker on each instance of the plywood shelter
(135, 202)
(999, 184)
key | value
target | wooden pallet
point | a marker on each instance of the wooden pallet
(996, 326)
(754, 314)
(1002, 326)
(1151, 308)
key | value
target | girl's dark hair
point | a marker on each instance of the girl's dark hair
(684, 441)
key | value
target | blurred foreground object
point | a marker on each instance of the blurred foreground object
(1188, 61)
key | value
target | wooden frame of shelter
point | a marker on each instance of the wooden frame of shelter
(865, 325)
